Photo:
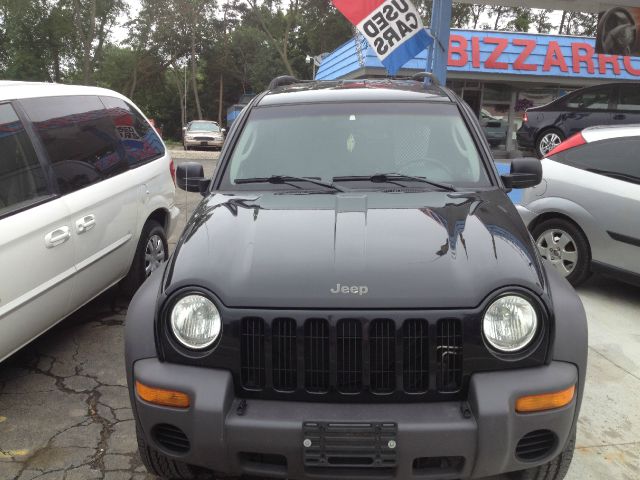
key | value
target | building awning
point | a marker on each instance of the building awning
(481, 54)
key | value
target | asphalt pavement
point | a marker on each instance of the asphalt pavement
(65, 414)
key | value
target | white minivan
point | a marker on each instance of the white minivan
(86, 201)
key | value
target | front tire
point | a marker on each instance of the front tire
(163, 466)
(151, 252)
(547, 141)
(556, 469)
(566, 247)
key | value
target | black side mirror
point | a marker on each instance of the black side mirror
(190, 177)
(525, 173)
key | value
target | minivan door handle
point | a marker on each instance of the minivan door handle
(57, 237)
(86, 223)
(619, 116)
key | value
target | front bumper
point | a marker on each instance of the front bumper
(483, 432)
(203, 143)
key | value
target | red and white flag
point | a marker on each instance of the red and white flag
(393, 28)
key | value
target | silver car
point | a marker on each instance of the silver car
(203, 133)
(585, 215)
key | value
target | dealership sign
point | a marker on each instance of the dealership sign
(393, 28)
(537, 55)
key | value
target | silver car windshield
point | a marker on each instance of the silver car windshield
(204, 127)
(325, 141)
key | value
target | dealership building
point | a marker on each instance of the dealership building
(499, 74)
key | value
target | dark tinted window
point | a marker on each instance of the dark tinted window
(358, 139)
(629, 97)
(618, 158)
(139, 139)
(79, 138)
(21, 177)
(596, 99)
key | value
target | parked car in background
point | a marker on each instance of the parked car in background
(203, 134)
(356, 297)
(86, 201)
(584, 214)
(545, 127)
(494, 128)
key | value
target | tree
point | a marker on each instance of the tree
(176, 31)
(278, 25)
(521, 19)
(476, 11)
(542, 22)
(93, 22)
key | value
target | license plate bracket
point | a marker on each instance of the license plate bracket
(350, 445)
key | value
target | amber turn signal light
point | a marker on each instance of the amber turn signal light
(159, 396)
(545, 401)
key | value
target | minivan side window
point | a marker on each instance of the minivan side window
(22, 180)
(78, 137)
(617, 158)
(596, 99)
(139, 140)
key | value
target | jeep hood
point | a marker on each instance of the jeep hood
(391, 250)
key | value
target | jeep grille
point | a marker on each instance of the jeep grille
(351, 355)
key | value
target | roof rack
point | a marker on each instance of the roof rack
(420, 76)
(282, 80)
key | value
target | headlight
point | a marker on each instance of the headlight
(195, 321)
(510, 323)
(190, 137)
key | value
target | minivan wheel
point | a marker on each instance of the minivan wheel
(564, 245)
(165, 467)
(151, 252)
(549, 140)
(556, 469)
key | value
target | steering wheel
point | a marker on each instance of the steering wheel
(617, 33)
(426, 167)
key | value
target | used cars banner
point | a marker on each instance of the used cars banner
(392, 27)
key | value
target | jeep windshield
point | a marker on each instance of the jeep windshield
(354, 144)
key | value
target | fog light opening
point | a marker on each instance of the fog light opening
(163, 397)
(545, 401)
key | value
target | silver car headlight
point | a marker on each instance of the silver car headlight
(195, 321)
(510, 323)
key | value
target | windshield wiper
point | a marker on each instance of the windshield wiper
(616, 175)
(286, 179)
(390, 177)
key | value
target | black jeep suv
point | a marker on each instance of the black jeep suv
(356, 297)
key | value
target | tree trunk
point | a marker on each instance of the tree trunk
(564, 16)
(86, 51)
(134, 81)
(498, 16)
(86, 38)
(181, 93)
(194, 73)
(220, 100)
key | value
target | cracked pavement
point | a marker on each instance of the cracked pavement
(65, 413)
